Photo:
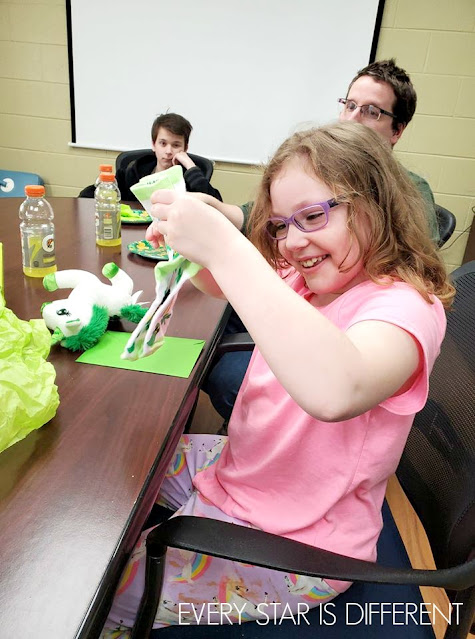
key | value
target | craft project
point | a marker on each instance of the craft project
(171, 178)
(79, 321)
(170, 275)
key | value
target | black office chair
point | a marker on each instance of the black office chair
(446, 222)
(126, 157)
(437, 472)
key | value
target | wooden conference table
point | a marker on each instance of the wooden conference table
(75, 494)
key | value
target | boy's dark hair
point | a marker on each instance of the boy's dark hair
(176, 124)
(406, 97)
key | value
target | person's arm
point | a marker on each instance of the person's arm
(235, 214)
(194, 178)
(197, 183)
(353, 371)
(246, 212)
(232, 212)
(428, 197)
(205, 282)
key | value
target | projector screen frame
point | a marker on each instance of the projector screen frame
(220, 157)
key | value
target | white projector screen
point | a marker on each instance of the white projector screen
(245, 73)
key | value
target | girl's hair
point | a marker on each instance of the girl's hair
(386, 214)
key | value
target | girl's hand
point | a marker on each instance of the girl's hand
(191, 227)
(153, 235)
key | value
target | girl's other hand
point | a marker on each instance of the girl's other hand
(153, 235)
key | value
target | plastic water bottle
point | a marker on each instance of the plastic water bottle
(37, 233)
(103, 168)
(107, 200)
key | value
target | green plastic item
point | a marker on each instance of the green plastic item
(28, 395)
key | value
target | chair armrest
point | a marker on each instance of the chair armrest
(446, 222)
(234, 342)
(248, 545)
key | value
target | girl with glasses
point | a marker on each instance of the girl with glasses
(343, 292)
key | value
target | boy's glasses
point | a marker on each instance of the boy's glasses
(367, 110)
(311, 218)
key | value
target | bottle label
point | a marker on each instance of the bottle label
(38, 251)
(108, 225)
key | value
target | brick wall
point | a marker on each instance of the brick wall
(434, 40)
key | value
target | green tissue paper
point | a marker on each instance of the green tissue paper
(28, 394)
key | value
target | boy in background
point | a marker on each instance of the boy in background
(170, 136)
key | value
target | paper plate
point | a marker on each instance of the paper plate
(145, 249)
(135, 216)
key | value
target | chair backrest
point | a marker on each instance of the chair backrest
(446, 221)
(12, 183)
(437, 469)
(126, 157)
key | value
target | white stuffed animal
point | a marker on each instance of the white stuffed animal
(79, 321)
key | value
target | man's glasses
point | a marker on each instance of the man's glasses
(367, 110)
(311, 218)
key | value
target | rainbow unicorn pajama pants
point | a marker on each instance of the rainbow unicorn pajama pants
(202, 589)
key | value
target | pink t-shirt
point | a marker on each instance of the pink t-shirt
(322, 483)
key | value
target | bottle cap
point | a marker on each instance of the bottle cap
(107, 177)
(35, 190)
(105, 168)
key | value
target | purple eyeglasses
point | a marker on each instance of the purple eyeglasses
(311, 218)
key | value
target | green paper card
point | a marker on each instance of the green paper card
(176, 357)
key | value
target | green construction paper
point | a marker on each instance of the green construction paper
(176, 357)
